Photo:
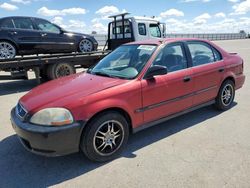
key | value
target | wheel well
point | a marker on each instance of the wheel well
(229, 78)
(119, 110)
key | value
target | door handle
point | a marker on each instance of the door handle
(13, 32)
(186, 79)
(221, 69)
(43, 34)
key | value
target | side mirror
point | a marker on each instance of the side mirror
(156, 70)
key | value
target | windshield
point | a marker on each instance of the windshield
(125, 62)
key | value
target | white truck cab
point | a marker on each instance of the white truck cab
(123, 30)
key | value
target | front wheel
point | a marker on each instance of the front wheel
(86, 45)
(225, 97)
(105, 137)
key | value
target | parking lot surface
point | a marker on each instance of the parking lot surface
(204, 148)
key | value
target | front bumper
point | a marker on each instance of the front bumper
(48, 141)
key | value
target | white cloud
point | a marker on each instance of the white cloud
(21, 1)
(107, 11)
(202, 19)
(203, 16)
(233, 1)
(171, 12)
(44, 11)
(220, 15)
(241, 8)
(9, 7)
(189, 1)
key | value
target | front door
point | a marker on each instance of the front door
(167, 94)
(53, 39)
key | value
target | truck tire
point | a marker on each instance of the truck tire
(105, 136)
(58, 70)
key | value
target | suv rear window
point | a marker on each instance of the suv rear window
(7, 23)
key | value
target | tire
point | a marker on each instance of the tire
(85, 45)
(55, 71)
(225, 97)
(100, 142)
(7, 50)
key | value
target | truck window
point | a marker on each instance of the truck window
(142, 29)
(154, 30)
(7, 23)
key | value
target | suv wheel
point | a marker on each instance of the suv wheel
(7, 50)
(225, 97)
(105, 137)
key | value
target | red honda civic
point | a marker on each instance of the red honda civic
(138, 85)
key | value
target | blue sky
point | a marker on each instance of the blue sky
(181, 16)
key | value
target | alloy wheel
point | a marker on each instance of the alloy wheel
(86, 45)
(108, 138)
(7, 50)
(227, 94)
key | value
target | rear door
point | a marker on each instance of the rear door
(52, 39)
(167, 94)
(208, 67)
(25, 35)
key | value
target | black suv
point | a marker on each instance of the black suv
(29, 35)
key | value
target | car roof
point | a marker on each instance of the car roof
(166, 40)
(10, 17)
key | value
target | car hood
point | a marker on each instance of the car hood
(81, 85)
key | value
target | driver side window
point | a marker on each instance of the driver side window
(46, 26)
(172, 57)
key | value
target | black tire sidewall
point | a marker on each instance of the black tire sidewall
(51, 71)
(218, 102)
(88, 134)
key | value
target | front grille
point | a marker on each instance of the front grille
(20, 111)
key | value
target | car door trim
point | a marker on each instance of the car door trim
(156, 122)
(149, 107)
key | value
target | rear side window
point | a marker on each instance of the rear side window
(142, 29)
(201, 53)
(23, 23)
(7, 23)
(217, 55)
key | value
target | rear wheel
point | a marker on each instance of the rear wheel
(86, 45)
(7, 50)
(226, 94)
(55, 71)
(105, 137)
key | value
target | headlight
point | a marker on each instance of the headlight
(52, 116)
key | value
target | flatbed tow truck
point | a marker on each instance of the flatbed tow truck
(48, 67)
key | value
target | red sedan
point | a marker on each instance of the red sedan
(138, 85)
